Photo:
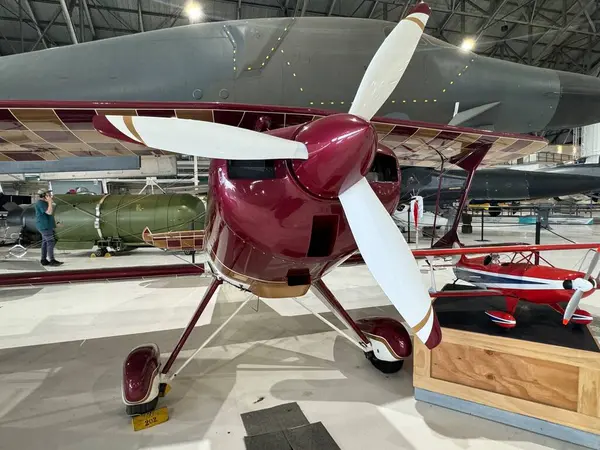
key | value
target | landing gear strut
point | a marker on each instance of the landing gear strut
(384, 340)
(143, 375)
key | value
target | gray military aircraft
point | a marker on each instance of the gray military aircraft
(303, 62)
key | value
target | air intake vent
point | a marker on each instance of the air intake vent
(298, 277)
(251, 170)
(323, 234)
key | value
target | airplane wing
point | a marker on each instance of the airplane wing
(422, 253)
(466, 293)
(49, 130)
(356, 260)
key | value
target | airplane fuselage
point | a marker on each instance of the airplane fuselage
(524, 281)
(271, 226)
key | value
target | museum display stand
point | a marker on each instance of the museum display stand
(540, 376)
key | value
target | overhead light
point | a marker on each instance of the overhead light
(468, 44)
(559, 148)
(194, 11)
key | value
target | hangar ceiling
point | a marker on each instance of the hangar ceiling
(560, 34)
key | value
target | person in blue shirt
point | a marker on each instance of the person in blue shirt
(44, 220)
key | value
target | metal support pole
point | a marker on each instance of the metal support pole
(408, 227)
(333, 4)
(81, 22)
(141, 17)
(482, 216)
(239, 10)
(373, 7)
(21, 25)
(196, 172)
(210, 291)
(304, 6)
(30, 13)
(482, 226)
(538, 234)
(67, 16)
(88, 17)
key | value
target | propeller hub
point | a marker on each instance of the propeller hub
(582, 284)
(341, 149)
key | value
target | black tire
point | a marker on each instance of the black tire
(136, 410)
(387, 366)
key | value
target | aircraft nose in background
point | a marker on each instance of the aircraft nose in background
(579, 102)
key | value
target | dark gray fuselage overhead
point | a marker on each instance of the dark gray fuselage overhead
(304, 62)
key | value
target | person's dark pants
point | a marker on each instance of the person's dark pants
(47, 245)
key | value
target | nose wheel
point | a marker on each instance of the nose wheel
(137, 410)
(387, 367)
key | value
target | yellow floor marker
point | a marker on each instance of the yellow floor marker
(150, 419)
(107, 255)
(93, 255)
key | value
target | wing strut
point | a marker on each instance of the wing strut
(468, 160)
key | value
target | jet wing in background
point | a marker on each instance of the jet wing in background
(48, 131)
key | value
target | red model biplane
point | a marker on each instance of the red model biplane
(521, 277)
(293, 194)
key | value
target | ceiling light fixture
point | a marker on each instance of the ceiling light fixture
(194, 12)
(468, 44)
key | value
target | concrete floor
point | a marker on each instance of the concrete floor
(62, 348)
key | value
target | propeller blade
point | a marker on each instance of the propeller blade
(572, 306)
(389, 63)
(593, 264)
(199, 138)
(390, 260)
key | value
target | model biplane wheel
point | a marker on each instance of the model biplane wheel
(581, 317)
(100, 252)
(502, 319)
(387, 367)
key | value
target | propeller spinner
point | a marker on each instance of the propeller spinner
(318, 151)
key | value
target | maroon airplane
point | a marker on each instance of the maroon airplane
(287, 205)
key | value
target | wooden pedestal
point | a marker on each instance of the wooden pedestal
(508, 377)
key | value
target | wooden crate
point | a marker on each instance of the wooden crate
(555, 384)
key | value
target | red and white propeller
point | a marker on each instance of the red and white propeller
(379, 240)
